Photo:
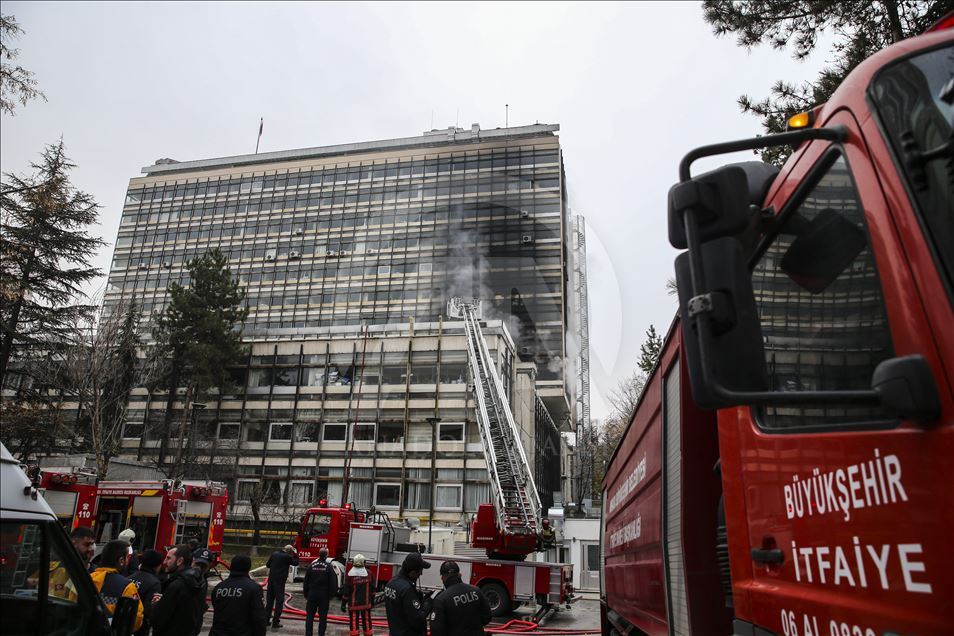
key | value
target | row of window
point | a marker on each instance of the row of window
(364, 494)
(410, 191)
(422, 166)
(263, 231)
(527, 205)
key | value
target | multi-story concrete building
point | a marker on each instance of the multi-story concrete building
(380, 235)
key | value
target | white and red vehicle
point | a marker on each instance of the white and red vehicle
(506, 583)
(509, 528)
(71, 494)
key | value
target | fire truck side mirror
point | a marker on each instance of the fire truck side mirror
(907, 389)
(731, 343)
(718, 200)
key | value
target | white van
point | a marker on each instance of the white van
(44, 588)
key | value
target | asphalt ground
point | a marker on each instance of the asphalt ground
(584, 615)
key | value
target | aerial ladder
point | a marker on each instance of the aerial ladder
(510, 527)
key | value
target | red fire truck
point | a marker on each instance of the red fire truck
(506, 583)
(71, 494)
(162, 513)
(816, 304)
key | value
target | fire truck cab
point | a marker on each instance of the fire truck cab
(816, 306)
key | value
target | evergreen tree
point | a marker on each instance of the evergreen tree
(861, 28)
(44, 254)
(649, 351)
(16, 83)
(200, 333)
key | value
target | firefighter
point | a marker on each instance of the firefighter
(460, 609)
(357, 597)
(407, 611)
(278, 565)
(238, 603)
(321, 583)
(547, 535)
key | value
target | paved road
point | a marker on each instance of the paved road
(585, 614)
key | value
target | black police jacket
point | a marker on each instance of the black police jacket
(179, 611)
(460, 610)
(407, 611)
(148, 584)
(239, 607)
(320, 580)
(278, 565)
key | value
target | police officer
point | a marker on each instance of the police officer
(407, 611)
(321, 583)
(279, 563)
(461, 609)
(239, 609)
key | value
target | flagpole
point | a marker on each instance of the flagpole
(261, 127)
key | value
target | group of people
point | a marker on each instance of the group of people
(459, 610)
(172, 591)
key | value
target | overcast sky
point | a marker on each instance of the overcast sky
(633, 87)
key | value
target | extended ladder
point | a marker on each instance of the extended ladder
(516, 501)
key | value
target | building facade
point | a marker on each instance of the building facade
(349, 255)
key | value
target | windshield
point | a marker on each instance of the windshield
(914, 99)
(318, 524)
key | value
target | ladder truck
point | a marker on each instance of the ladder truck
(509, 529)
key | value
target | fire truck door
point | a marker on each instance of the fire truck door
(145, 521)
(111, 518)
(847, 521)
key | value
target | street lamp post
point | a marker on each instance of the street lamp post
(430, 526)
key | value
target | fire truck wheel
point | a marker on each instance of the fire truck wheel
(496, 593)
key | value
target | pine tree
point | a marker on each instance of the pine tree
(45, 250)
(649, 351)
(861, 27)
(16, 83)
(200, 332)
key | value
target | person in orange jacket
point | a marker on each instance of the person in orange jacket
(112, 585)
(358, 597)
